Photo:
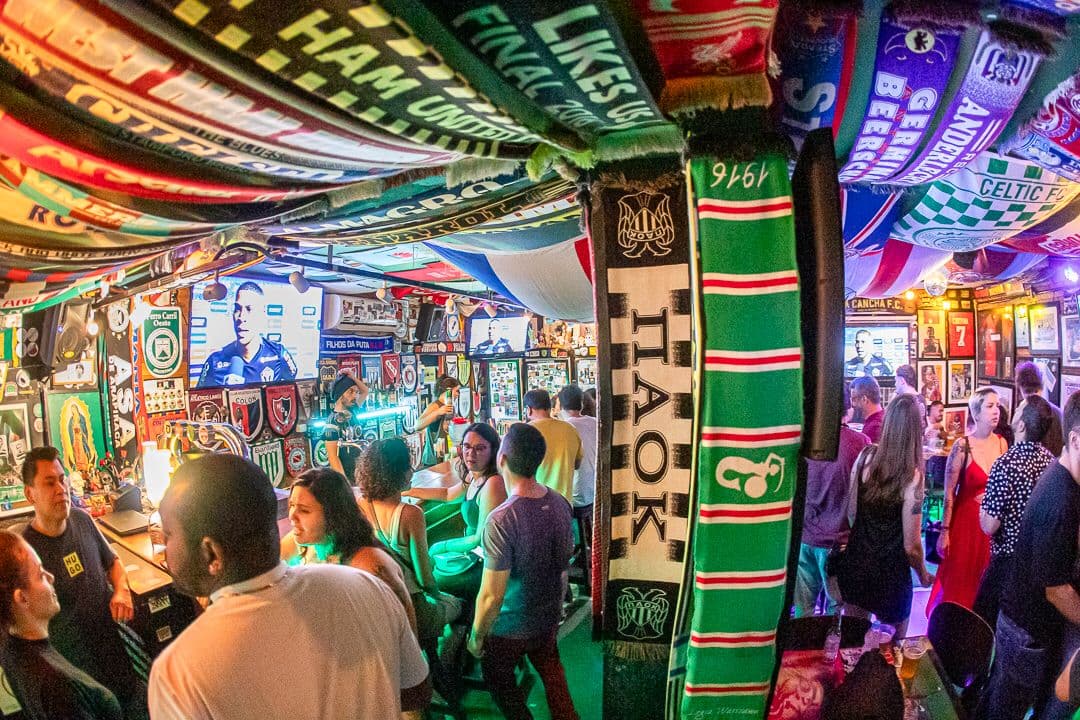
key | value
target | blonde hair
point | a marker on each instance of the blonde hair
(977, 400)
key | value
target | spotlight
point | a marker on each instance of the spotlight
(1021, 310)
(92, 325)
(945, 304)
(491, 310)
(1071, 274)
(909, 295)
(215, 290)
(104, 289)
(298, 281)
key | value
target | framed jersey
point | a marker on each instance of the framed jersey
(961, 334)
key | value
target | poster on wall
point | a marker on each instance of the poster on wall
(1070, 339)
(76, 429)
(995, 346)
(956, 421)
(931, 380)
(1022, 326)
(260, 332)
(1069, 384)
(961, 334)
(1044, 329)
(961, 374)
(1051, 374)
(15, 441)
(931, 333)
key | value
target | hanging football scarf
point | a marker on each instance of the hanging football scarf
(993, 86)
(195, 96)
(913, 64)
(748, 450)
(74, 165)
(991, 199)
(989, 265)
(73, 251)
(642, 254)
(896, 267)
(1060, 7)
(69, 201)
(121, 402)
(538, 48)
(816, 47)
(1059, 234)
(1052, 138)
(712, 52)
(363, 61)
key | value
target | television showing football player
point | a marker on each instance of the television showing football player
(865, 361)
(251, 357)
(496, 342)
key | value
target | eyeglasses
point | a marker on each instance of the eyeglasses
(475, 448)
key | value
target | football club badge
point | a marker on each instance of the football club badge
(477, 403)
(318, 454)
(270, 456)
(409, 375)
(450, 367)
(282, 407)
(464, 371)
(307, 394)
(371, 369)
(453, 327)
(207, 405)
(391, 369)
(161, 342)
(464, 402)
(296, 454)
(246, 412)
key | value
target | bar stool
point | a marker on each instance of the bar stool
(583, 518)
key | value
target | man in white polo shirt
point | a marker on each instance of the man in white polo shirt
(323, 641)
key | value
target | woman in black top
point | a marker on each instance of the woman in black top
(886, 516)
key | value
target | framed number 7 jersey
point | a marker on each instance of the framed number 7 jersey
(961, 334)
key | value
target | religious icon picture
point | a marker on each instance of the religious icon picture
(932, 333)
(931, 380)
(961, 374)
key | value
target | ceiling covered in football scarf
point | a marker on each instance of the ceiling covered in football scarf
(447, 143)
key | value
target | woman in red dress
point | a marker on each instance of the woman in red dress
(964, 547)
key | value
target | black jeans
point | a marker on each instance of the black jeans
(1020, 673)
(501, 656)
(988, 599)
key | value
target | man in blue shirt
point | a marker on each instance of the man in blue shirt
(252, 358)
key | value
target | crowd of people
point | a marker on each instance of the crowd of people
(342, 616)
(1007, 541)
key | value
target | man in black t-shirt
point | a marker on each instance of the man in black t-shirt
(347, 393)
(1040, 598)
(46, 685)
(90, 582)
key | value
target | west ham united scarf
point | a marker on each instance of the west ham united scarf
(361, 59)
(991, 199)
(748, 449)
(713, 53)
(993, 86)
(644, 298)
(1052, 138)
(816, 46)
(914, 59)
(142, 89)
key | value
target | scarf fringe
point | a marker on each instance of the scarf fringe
(637, 652)
(1016, 36)
(881, 188)
(949, 13)
(739, 135)
(685, 96)
(365, 190)
(1050, 25)
(547, 157)
(473, 169)
(623, 178)
(627, 144)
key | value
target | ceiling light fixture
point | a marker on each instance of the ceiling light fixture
(215, 290)
(298, 281)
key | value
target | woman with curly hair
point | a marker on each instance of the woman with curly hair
(328, 527)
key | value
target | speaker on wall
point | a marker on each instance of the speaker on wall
(72, 338)
(424, 318)
(35, 341)
(819, 243)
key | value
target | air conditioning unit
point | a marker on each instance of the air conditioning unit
(359, 315)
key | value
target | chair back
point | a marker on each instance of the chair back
(963, 642)
(808, 633)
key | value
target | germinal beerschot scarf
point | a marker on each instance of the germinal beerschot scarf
(713, 53)
(991, 199)
(816, 46)
(179, 106)
(1052, 138)
(995, 82)
(364, 61)
(642, 274)
(748, 449)
(916, 51)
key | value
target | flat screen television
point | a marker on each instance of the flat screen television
(876, 349)
(281, 322)
(494, 337)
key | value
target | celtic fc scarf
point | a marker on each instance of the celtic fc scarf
(642, 275)
(713, 53)
(751, 425)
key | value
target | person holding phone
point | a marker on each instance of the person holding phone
(434, 418)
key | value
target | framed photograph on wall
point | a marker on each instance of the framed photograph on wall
(961, 334)
(1044, 329)
(932, 333)
(995, 344)
(1023, 327)
(1070, 340)
(956, 421)
(931, 375)
(1069, 384)
(961, 380)
(1051, 374)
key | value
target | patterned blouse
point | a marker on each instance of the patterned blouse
(1012, 478)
